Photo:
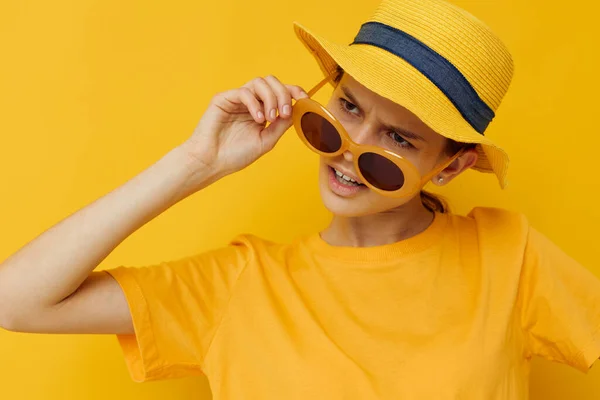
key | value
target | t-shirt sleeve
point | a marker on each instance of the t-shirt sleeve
(560, 305)
(176, 307)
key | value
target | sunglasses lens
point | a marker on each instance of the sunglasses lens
(320, 133)
(381, 172)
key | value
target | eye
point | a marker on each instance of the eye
(398, 140)
(347, 107)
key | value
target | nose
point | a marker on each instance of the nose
(348, 156)
(361, 135)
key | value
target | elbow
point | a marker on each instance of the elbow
(14, 316)
(15, 321)
(8, 326)
(9, 316)
(8, 322)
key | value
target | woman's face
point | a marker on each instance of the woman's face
(371, 119)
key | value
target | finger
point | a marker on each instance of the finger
(264, 93)
(297, 92)
(284, 98)
(245, 96)
(272, 133)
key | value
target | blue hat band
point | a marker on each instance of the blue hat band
(436, 68)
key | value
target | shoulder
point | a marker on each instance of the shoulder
(258, 246)
(494, 227)
(496, 220)
(256, 242)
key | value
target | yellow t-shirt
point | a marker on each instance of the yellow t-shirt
(455, 312)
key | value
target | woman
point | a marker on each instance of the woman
(398, 298)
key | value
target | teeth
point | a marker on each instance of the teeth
(344, 177)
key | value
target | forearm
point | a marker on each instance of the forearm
(55, 264)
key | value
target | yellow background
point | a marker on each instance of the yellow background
(93, 92)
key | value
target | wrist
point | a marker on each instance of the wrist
(197, 174)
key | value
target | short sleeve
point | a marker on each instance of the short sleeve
(176, 307)
(560, 305)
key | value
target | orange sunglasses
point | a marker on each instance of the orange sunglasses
(381, 170)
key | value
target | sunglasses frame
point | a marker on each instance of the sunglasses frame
(413, 181)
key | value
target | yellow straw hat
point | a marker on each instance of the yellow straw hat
(433, 58)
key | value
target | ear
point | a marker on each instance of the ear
(462, 163)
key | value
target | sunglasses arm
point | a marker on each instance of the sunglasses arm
(442, 167)
(320, 84)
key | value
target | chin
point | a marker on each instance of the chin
(364, 202)
(343, 207)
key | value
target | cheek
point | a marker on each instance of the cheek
(323, 169)
(425, 160)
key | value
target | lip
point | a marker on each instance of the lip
(346, 173)
(341, 189)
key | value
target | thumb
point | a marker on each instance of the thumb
(272, 133)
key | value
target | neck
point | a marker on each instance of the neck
(379, 229)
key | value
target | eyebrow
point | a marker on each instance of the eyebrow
(408, 134)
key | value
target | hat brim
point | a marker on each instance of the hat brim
(412, 90)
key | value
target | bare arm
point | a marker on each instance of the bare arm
(44, 287)
(49, 285)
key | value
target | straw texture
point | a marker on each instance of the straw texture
(456, 35)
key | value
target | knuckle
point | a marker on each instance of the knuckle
(216, 97)
(245, 91)
(275, 83)
(282, 92)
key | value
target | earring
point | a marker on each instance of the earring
(440, 179)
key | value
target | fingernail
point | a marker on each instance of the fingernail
(273, 113)
(260, 115)
(287, 109)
